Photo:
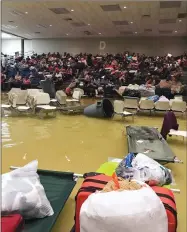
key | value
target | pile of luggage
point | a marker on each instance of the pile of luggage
(132, 196)
(122, 203)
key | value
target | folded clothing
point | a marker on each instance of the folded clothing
(163, 98)
(23, 193)
(154, 98)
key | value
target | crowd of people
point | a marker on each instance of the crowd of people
(94, 74)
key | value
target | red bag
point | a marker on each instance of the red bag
(12, 223)
(89, 186)
(168, 200)
(98, 181)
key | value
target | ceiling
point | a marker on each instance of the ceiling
(67, 18)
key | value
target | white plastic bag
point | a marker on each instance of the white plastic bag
(132, 211)
(147, 169)
(23, 193)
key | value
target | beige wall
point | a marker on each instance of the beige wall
(146, 45)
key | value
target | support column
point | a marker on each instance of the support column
(22, 47)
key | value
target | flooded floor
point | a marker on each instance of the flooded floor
(80, 144)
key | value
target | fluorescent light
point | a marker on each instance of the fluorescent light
(176, 31)
(26, 12)
(41, 26)
(27, 34)
(136, 32)
(9, 26)
(180, 20)
(72, 10)
(124, 7)
(131, 22)
(16, 13)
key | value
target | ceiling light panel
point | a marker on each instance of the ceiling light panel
(9, 26)
(120, 23)
(59, 10)
(115, 7)
(146, 16)
(88, 33)
(41, 26)
(170, 4)
(165, 21)
(126, 32)
(16, 13)
(80, 24)
(165, 31)
(147, 30)
(27, 34)
(182, 15)
(68, 19)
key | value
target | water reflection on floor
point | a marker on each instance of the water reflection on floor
(80, 144)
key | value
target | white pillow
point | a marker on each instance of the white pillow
(23, 193)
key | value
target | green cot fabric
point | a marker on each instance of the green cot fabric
(108, 168)
(58, 187)
(159, 149)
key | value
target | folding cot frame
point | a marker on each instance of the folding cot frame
(58, 187)
(183, 134)
(162, 140)
(53, 184)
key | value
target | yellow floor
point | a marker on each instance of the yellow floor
(81, 144)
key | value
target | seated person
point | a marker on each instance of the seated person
(3, 77)
(100, 90)
(58, 74)
(176, 85)
(69, 89)
(150, 81)
(26, 81)
(165, 83)
(18, 77)
(17, 81)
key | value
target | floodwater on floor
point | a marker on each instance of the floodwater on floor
(80, 144)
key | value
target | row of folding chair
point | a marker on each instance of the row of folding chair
(148, 105)
(177, 106)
